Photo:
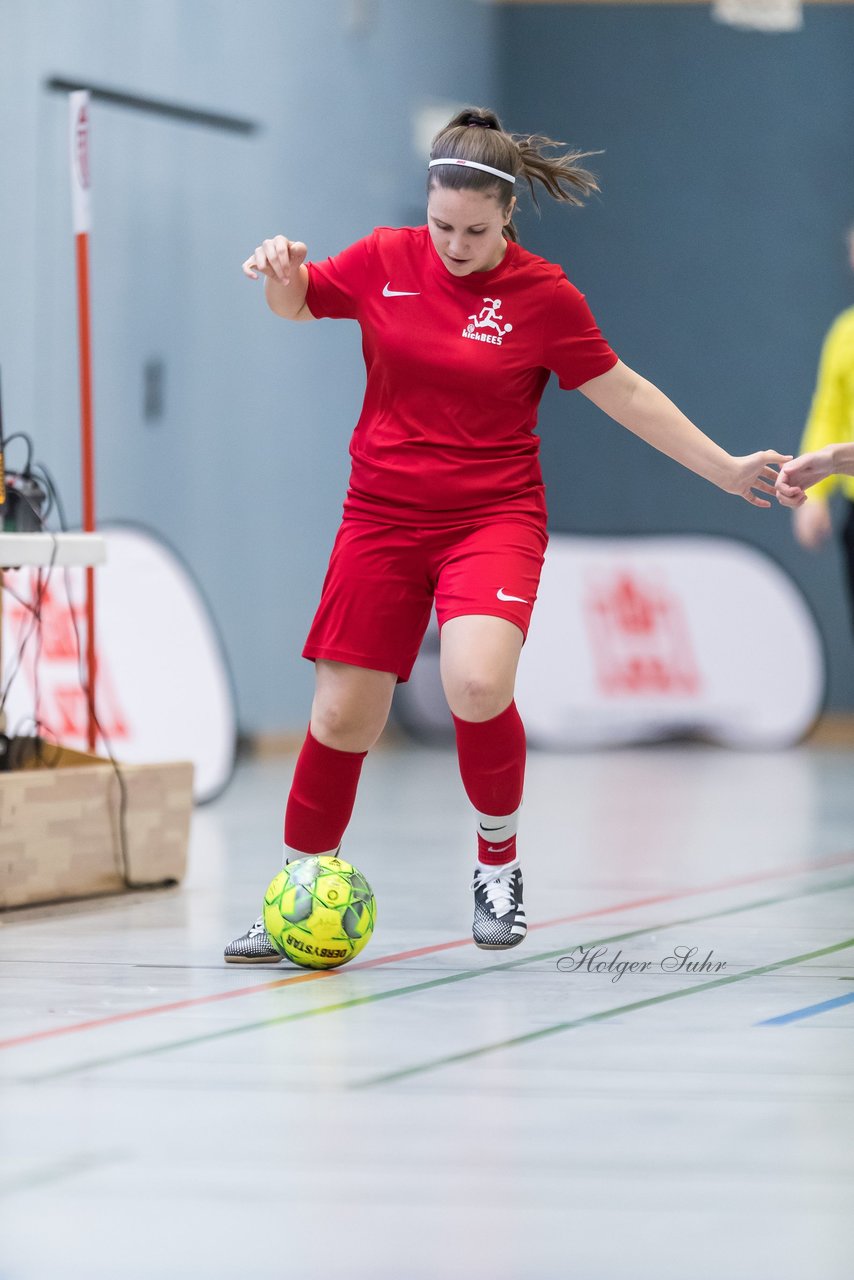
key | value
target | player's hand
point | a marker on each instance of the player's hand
(788, 495)
(806, 470)
(756, 471)
(278, 259)
(812, 524)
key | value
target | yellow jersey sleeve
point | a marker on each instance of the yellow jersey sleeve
(831, 417)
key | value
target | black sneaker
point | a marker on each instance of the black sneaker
(252, 947)
(499, 917)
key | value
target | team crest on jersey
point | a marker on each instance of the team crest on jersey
(485, 325)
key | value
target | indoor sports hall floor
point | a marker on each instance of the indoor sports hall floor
(437, 1111)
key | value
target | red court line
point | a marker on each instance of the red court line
(215, 997)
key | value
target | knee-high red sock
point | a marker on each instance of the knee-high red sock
(492, 766)
(322, 796)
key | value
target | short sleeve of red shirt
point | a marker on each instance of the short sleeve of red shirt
(573, 346)
(337, 286)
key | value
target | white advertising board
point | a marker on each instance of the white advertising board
(641, 639)
(163, 688)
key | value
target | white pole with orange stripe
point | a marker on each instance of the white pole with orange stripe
(80, 188)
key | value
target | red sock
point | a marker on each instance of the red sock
(322, 796)
(492, 766)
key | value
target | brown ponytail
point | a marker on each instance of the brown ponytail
(476, 134)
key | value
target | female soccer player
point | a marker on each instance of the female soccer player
(461, 328)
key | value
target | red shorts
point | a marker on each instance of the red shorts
(383, 579)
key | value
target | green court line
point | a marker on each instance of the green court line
(431, 984)
(452, 1058)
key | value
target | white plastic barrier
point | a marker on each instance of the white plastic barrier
(641, 639)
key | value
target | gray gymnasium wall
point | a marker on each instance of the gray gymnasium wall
(714, 257)
(245, 469)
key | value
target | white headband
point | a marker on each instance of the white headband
(475, 164)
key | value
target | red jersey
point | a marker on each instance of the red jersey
(456, 368)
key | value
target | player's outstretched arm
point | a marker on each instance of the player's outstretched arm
(645, 411)
(812, 468)
(282, 262)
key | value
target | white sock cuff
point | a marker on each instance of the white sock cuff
(291, 855)
(495, 829)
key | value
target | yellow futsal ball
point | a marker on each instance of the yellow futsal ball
(319, 912)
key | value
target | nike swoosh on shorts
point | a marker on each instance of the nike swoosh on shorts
(502, 595)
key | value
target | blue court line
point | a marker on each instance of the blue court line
(808, 1012)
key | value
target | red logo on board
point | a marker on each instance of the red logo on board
(45, 653)
(641, 641)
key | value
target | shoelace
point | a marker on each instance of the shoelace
(498, 886)
(258, 927)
